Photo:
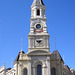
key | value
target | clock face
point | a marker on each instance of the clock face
(38, 26)
(39, 43)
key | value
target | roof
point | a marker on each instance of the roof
(18, 56)
(56, 52)
(67, 67)
(42, 2)
(8, 69)
(37, 2)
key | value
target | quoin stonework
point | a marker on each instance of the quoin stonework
(38, 60)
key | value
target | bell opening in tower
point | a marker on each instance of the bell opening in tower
(38, 12)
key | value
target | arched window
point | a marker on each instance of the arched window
(25, 72)
(38, 12)
(39, 69)
(53, 72)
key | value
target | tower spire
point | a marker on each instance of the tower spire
(38, 36)
(37, 2)
(38, 9)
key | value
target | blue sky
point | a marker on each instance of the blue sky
(15, 23)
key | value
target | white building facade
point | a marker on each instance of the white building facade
(38, 60)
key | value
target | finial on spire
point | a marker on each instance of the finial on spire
(63, 58)
(21, 43)
(55, 42)
(11, 62)
(37, 2)
(4, 64)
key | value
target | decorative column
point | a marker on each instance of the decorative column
(34, 70)
(33, 42)
(41, 12)
(48, 66)
(34, 13)
(16, 68)
(44, 71)
(29, 69)
(47, 42)
(32, 29)
(44, 42)
(20, 68)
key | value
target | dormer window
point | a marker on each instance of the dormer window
(38, 12)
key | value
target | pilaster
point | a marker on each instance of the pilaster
(34, 71)
(17, 68)
(44, 71)
(30, 68)
(20, 68)
(48, 66)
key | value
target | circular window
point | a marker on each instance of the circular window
(38, 26)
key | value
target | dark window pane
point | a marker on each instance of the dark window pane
(38, 12)
(25, 71)
(53, 71)
(39, 70)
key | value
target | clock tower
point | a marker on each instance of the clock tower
(38, 36)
